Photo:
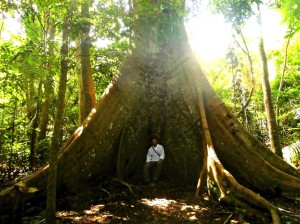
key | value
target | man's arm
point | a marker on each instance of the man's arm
(148, 157)
(162, 153)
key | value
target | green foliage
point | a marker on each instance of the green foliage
(168, 15)
(160, 21)
(237, 12)
(288, 98)
(296, 154)
(234, 11)
(292, 77)
(291, 13)
(117, 21)
(13, 142)
(26, 64)
(293, 152)
(117, 30)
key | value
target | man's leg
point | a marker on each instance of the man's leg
(147, 173)
(158, 166)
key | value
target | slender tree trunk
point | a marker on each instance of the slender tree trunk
(48, 89)
(86, 84)
(271, 119)
(34, 126)
(282, 76)
(31, 92)
(31, 114)
(10, 161)
(51, 191)
(246, 51)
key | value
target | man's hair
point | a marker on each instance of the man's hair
(154, 137)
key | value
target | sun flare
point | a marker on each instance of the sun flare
(209, 36)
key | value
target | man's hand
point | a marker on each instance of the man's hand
(160, 161)
(147, 164)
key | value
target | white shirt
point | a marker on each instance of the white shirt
(152, 156)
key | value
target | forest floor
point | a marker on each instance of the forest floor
(160, 204)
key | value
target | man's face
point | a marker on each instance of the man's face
(154, 141)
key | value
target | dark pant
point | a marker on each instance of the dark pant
(153, 168)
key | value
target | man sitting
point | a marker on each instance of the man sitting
(154, 159)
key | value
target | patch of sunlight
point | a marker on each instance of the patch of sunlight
(157, 202)
(106, 91)
(236, 221)
(78, 132)
(193, 218)
(283, 210)
(189, 212)
(164, 203)
(4, 100)
(93, 210)
(89, 117)
(102, 43)
(41, 169)
(92, 215)
(194, 207)
(67, 213)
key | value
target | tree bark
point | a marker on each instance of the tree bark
(34, 127)
(280, 88)
(247, 53)
(13, 125)
(230, 190)
(271, 119)
(32, 106)
(48, 90)
(52, 173)
(87, 99)
(159, 93)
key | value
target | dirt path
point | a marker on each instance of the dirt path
(161, 204)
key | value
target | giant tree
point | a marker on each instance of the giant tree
(163, 91)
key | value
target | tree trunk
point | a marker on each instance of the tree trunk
(161, 91)
(280, 88)
(48, 90)
(87, 99)
(51, 186)
(32, 114)
(34, 127)
(13, 134)
(33, 135)
(247, 53)
(271, 119)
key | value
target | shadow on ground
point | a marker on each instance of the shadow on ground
(160, 204)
